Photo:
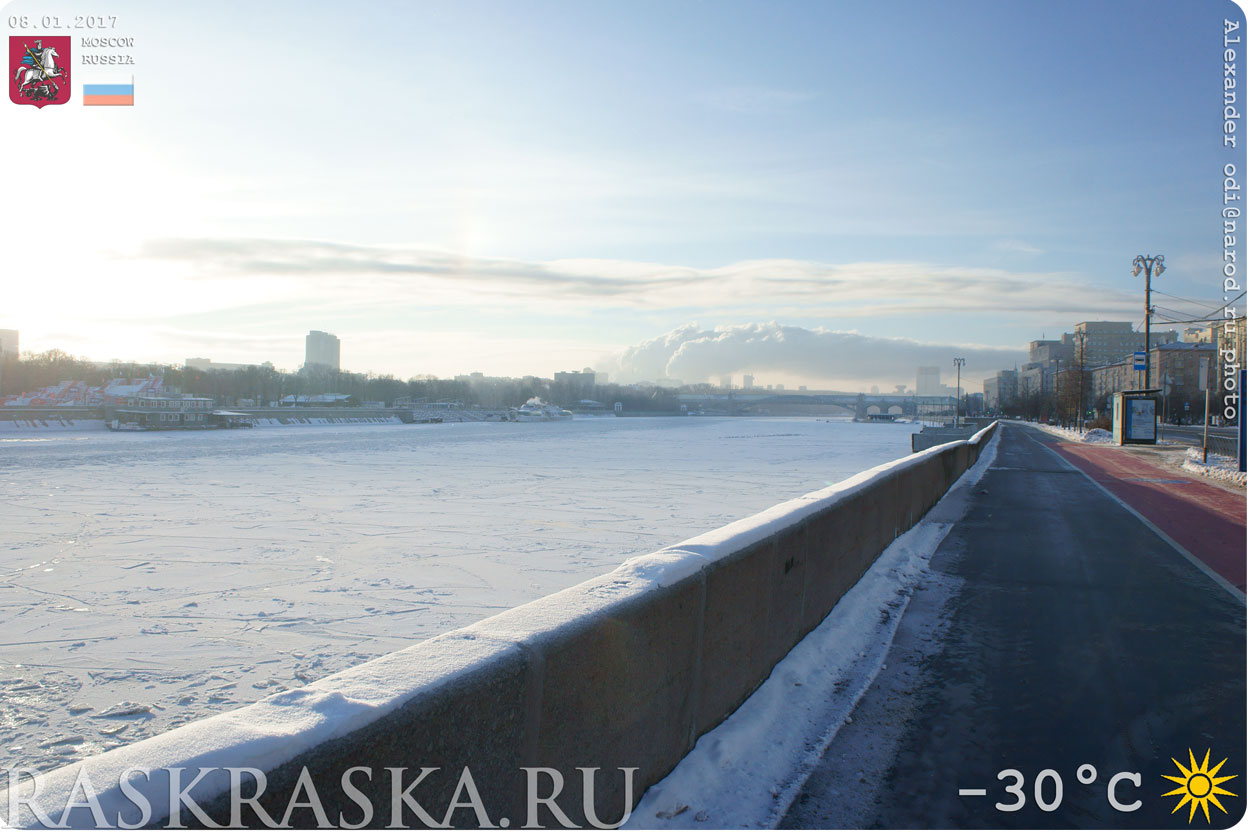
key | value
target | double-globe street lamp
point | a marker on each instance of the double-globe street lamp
(1153, 267)
(959, 363)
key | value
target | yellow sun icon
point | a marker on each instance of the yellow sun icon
(1199, 786)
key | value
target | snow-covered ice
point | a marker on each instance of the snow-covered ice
(150, 579)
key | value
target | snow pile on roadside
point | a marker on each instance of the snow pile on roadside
(1072, 435)
(1216, 467)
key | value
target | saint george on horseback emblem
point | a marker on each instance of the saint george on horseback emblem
(38, 70)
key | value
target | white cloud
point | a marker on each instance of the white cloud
(1017, 247)
(416, 275)
(249, 299)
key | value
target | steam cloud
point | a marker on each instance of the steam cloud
(693, 355)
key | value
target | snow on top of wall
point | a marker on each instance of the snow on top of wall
(555, 614)
(663, 568)
(263, 735)
(758, 527)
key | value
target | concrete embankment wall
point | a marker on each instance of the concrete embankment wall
(91, 418)
(25, 419)
(626, 670)
(930, 437)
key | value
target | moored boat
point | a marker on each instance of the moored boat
(536, 410)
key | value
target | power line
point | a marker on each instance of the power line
(1178, 297)
(1206, 320)
(1171, 316)
(1213, 316)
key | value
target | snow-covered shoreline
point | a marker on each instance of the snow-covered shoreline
(38, 426)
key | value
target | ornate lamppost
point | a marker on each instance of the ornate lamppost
(959, 363)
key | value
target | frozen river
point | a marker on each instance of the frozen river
(150, 579)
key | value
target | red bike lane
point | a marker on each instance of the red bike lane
(1205, 519)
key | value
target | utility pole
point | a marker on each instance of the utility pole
(1206, 422)
(1153, 267)
(959, 363)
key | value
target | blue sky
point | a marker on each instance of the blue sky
(525, 187)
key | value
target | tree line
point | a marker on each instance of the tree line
(263, 384)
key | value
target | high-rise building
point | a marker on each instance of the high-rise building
(1184, 372)
(1044, 352)
(8, 343)
(990, 390)
(1110, 341)
(748, 382)
(1000, 390)
(928, 381)
(575, 383)
(321, 350)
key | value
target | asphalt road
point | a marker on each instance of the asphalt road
(1196, 430)
(1222, 439)
(1056, 630)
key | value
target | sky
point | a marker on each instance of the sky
(829, 193)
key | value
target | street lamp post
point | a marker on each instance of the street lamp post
(1055, 405)
(959, 363)
(1080, 397)
(1153, 267)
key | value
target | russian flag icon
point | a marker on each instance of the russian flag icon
(109, 95)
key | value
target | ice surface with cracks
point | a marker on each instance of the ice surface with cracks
(147, 580)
